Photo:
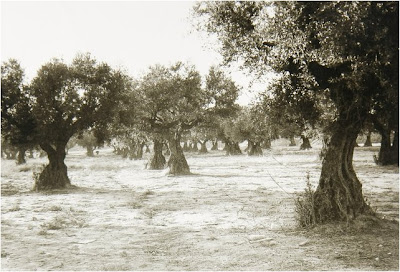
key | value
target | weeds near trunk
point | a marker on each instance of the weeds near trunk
(304, 206)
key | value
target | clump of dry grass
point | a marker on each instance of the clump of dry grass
(304, 206)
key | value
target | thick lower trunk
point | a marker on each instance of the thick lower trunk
(21, 155)
(232, 148)
(292, 141)
(54, 175)
(255, 149)
(339, 193)
(177, 162)
(306, 143)
(368, 141)
(388, 153)
(157, 161)
(31, 154)
(203, 148)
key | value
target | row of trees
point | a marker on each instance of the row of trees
(93, 101)
(338, 72)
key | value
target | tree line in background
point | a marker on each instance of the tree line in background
(337, 67)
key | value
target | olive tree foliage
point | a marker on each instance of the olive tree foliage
(172, 101)
(17, 124)
(65, 100)
(347, 51)
(88, 140)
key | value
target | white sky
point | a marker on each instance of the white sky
(128, 34)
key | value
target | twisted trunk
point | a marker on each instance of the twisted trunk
(54, 175)
(157, 161)
(177, 162)
(339, 193)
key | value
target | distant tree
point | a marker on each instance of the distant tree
(65, 100)
(223, 93)
(88, 140)
(17, 124)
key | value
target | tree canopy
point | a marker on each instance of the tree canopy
(345, 52)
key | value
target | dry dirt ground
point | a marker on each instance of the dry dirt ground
(233, 213)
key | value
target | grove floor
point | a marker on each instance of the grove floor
(232, 213)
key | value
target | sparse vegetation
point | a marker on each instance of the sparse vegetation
(305, 213)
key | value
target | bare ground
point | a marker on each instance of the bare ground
(233, 213)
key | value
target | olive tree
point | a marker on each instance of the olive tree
(65, 100)
(348, 51)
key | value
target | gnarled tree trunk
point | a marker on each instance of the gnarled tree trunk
(177, 162)
(339, 193)
(306, 143)
(157, 161)
(54, 175)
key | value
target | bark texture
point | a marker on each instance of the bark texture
(339, 193)
(157, 161)
(54, 175)
(177, 162)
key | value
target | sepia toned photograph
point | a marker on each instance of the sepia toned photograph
(199, 136)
